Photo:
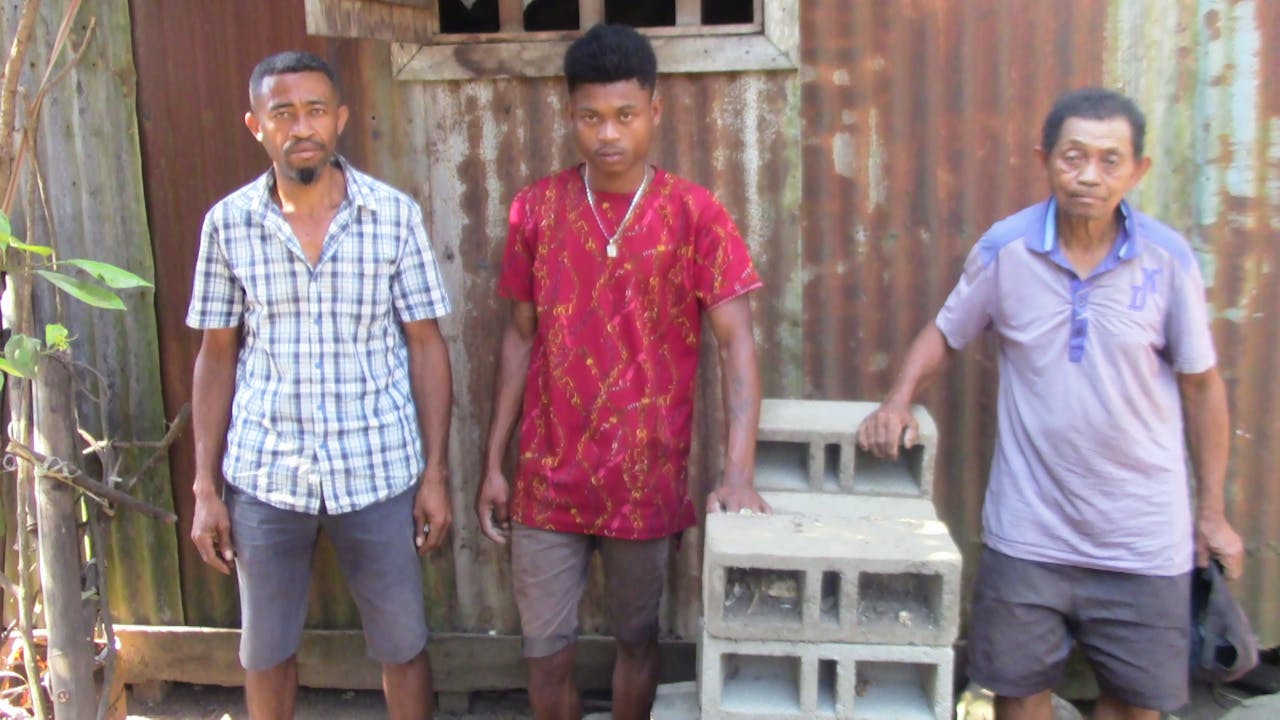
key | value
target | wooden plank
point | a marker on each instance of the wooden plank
(688, 12)
(511, 15)
(529, 60)
(568, 35)
(374, 20)
(781, 19)
(590, 12)
(337, 659)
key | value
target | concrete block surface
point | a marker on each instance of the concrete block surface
(810, 445)
(780, 680)
(891, 578)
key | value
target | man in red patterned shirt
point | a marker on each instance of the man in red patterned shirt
(611, 266)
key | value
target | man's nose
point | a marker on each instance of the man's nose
(303, 127)
(609, 130)
(1089, 173)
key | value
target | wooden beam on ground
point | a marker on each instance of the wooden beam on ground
(336, 659)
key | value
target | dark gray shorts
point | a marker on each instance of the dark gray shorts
(374, 545)
(1134, 630)
(550, 572)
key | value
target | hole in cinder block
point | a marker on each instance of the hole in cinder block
(879, 476)
(830, 603)
(782, 465)
(760, 684)
(831, 467)
(907, 600)
(827, 687)
(758, 595)
(893, 691)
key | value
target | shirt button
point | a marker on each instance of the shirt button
(317, 365)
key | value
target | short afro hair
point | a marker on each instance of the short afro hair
(284, 63)
(1093, 104)
(611, 53)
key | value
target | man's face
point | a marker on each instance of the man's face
(613, 126)
(1092, 167)
(297, 118)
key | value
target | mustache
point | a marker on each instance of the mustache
(302, 143)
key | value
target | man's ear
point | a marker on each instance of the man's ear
(343, 115)
(1042, 156)
(251, 122)
(657, 109)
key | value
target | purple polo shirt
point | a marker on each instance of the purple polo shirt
(1090, 468)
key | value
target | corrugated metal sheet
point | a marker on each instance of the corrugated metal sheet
(919, 124)
(88, 156)
(1215, 98)
(908, 131)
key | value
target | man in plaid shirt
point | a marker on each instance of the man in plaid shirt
(321, 393)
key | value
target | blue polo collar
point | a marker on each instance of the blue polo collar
(1129, 243)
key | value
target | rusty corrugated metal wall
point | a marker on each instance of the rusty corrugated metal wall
(861, 181)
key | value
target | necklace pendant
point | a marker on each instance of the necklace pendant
(611, 250)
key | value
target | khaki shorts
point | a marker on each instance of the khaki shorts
(1133, 629)
(550, 573)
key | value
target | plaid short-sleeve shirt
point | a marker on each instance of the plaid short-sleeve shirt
(323, 413)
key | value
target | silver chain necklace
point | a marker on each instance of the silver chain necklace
(612, 248)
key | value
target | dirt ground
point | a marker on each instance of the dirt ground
(196, 702)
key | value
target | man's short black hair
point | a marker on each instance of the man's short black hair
(290, 61)
(611, 53)
(1093, 104)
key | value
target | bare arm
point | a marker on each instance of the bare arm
(740, 391)
(213, 387)
(882, 433)
(1204, 411)
(493, 495)
(431, 379)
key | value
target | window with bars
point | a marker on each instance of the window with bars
(495, 16)
(461, 39)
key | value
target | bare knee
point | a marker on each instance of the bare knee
(1031, 707)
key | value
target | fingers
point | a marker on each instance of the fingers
(215, 548)
(439, 530)
(495, 523)
(911, 435)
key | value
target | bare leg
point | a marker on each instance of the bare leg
(271, 694)
(1032, 707)
(409, 690)
(635, 679)
(552, 691)
(1108, 708)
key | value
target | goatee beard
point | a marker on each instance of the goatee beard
(307, 175)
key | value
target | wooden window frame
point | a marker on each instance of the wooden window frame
(419, 51)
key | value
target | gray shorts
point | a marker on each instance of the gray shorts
(1134, 630)
(374, 545)
(550, 573)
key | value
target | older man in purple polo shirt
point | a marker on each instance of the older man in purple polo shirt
(1106, 364)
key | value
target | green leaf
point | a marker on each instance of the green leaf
(109, 274)
(22, 352)
(10, 368)
(56, 336)
(41, 250)
(86, 292)
(5, 228)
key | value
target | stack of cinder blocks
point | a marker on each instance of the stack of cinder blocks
(842, 603)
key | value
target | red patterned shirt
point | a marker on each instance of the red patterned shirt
(608, 406)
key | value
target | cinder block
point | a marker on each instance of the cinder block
(778, 680)
(811, 445)
(831, 577)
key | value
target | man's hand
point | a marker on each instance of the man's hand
(1215, 538)
(211, 532)
(493, 507)
(735, 498)
(432, 514)
(890, 427)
